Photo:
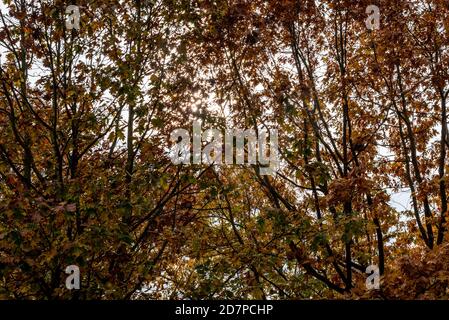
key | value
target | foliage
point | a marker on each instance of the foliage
(86, 179)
